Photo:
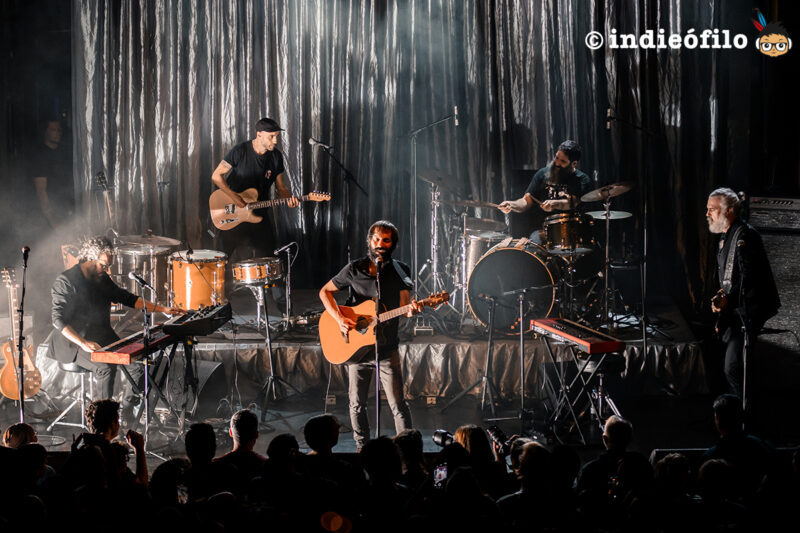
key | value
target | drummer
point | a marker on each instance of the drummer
(555, 188)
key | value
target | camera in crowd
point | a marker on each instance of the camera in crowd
(442, 438)
(500, 440)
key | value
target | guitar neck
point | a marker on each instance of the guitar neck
(12, 312)
(276, 201)
(394, 313)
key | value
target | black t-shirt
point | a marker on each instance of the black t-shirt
(252, 170)
(56, 166)
(576, 184)
(355, 277)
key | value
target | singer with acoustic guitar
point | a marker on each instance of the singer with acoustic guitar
(82, 298)
(359, 277)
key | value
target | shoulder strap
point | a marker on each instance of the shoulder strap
(401, 273)
(732, 245)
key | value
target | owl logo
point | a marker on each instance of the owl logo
(773, 39)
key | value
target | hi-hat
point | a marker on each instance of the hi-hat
(468, 203)
(439, 179)
(148, 240)
(607, 191)
(612, 215)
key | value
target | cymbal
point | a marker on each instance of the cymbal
(437, 178)
(612, 215)
(607, 191)
(148, 240)
(478, 225)
(468, 203)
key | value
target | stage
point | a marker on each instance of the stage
(667, 392)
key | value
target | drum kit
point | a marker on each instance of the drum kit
(558, 274)
(187, 279)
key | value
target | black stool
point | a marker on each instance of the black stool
(75, 369)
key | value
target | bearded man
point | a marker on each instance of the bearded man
(746, 293)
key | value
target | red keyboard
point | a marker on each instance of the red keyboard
(585, 339)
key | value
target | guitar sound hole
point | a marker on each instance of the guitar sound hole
(363, 323)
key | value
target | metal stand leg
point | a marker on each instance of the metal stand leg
(272, 381)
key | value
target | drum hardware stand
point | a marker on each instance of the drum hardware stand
(415, 267)
(270, 385)
(289, 261)
(163, 186)
(485, 379)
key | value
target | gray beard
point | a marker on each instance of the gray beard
(718, 227)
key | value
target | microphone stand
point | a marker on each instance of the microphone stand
(741, 311)
(414, 218)
(378, 264)
(21, 338)
(146, 317)
(348, 178)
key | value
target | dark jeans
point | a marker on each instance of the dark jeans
(360, 379)
(105, 375)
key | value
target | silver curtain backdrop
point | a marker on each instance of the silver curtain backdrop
(164, 88)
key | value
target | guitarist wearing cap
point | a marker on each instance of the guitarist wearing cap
(747, 290)
(254, 164)
(359, 277)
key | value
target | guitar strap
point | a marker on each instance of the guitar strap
(401, 273)
(726, 278)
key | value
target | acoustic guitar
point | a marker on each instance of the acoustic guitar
(226, 215)
(338, 348)
(8, 375)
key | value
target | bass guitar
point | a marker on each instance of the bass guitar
(339, 348)
(226, 215)
(8, 375)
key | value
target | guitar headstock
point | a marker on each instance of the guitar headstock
(9, 277)
(435, 300)
(102, 180)
(319, 196)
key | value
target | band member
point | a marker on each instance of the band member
(258, 164)
(82, 298)
(50, 169)
(359, 277)
(555, 188)
(744, 276)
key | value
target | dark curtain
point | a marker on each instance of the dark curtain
(164, 88)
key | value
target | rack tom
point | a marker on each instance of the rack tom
(197, 279)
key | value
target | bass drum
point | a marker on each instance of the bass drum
(519, 265)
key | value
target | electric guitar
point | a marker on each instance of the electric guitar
(720, 301)
(8, 375)
(226, 215)
(338, 348)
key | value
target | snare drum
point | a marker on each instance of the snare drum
(197, 279)
(258, 271)
(569, 233)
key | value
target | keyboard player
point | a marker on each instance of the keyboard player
(82, 298)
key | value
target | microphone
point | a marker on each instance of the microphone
(283, 248)
(313, 142)
(189, 250)
(25, 251)
(455, 115)
(139, 279)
